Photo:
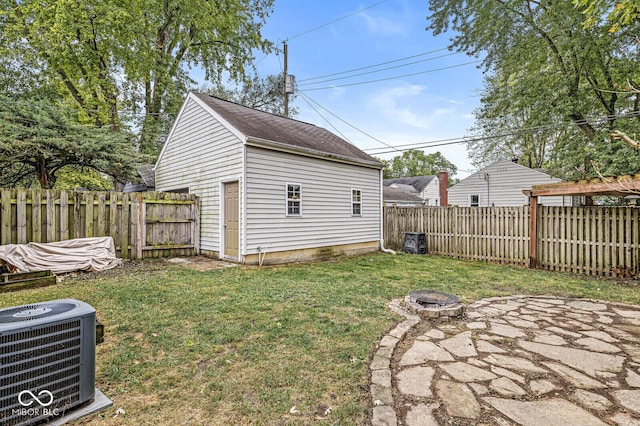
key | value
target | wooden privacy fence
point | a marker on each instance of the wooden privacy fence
(602, 241)
(148, 224)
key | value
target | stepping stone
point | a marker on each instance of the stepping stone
(591, 400)
(597, 345)
(633, 379)
(601, 335)
(564, 332)
(523, 323)
(478, 388)
(549, 339)
(574, 377)
(460, 345)
(421, 415)
(464, 372)
(548, 300)
(514, 363)
(384, 416)
(627, 314)
(381, 377)
(587, 361)
(506, 387)
(388, 341)
(416, 381)
(506, 330)
(422, 352)
(506, 373)
(435, 334)
(477, 325)
(624, 419)
(587, 306)
(629, 399)
(540, 387)
(458, 399)
(484, 346)
(552, 412)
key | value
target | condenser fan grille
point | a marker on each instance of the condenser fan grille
(31, 312)
(44, 358)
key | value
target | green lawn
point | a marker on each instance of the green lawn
(244, 345)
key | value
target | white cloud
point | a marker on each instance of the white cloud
(383, 26)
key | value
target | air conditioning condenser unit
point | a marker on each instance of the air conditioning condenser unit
(47, 360)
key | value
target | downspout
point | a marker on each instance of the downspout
(385, 250)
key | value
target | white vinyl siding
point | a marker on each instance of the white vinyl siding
(500, 184)
(431, 193)
(200, 154)
(326, 219)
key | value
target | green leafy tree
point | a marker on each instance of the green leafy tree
(264, 94)
(618, 13)
(38, 139)
(553, 86)
(73, 177)
(416, 163)
(114, 56)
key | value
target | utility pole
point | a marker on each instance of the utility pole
(286, 93)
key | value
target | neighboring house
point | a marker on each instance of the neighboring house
(271, 188)
(501, 184)
(398, 197)
(147, 180)
(427, 188)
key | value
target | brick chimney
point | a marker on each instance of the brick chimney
(443, 180)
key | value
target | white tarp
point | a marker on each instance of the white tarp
(80, 254)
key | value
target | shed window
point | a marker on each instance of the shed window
(474, 200)
(294, 199)
(356, 202)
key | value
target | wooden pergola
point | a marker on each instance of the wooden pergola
(615, 186)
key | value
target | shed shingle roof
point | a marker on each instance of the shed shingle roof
(263, 126)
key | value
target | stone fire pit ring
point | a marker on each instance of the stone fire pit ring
(433, 304)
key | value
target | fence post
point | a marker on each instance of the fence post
(533, 231)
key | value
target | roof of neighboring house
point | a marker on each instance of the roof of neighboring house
(418, 182)
(505, 163)
(148, 178)
(277, 131)
(148, 175)
(390, 194)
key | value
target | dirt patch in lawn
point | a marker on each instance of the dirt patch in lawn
(200, 263)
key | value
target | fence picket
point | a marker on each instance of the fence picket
(602, 241)
(52, 215)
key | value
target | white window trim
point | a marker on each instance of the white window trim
(287, 199)
(479, 200)
(353, 203)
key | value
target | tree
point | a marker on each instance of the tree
(115, 56)
(38, 139)
(619, 13)
(415, 162)
(548, 77)
(264, 94)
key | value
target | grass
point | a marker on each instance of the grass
(244, 345)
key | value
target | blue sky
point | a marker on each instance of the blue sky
(434, 104)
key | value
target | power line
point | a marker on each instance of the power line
(394, 77)
(374, 65)
(515, 132)
(323, 117)
(305, 96)
(380, 70)
(337, 19)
